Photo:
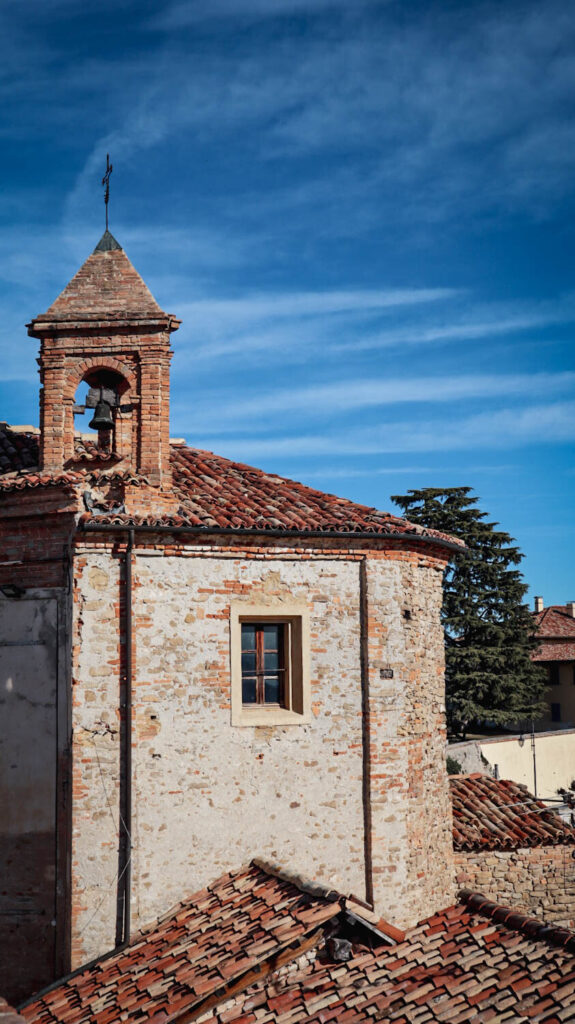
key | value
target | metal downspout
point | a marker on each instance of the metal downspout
(128, 745)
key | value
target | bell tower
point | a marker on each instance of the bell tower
(107, 332)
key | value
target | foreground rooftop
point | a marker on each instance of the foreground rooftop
(255, 947)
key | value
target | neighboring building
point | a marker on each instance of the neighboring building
(513, 848)
(199, 661)
(556, 630)
(262, 947)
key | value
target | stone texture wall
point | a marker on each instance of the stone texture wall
(411, 806)
(539, 880)
(207, 797)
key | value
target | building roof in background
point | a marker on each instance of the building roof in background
(475, 961)
(497, 814)
(556, 629)
(216, 493)
(555, 622)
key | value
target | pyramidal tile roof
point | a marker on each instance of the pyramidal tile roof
(105, 285)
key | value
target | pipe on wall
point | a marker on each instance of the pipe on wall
(123, 924)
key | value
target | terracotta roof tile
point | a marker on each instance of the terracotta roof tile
(497, 814)
(473, 962)
(558, 650)
(555, 622)
(17, 451)
(193, 951)
(556, 628)
(216, 493)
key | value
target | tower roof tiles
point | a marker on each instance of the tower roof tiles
(106, 286)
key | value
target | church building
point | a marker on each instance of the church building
(200, 662)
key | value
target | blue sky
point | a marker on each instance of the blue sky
(363, 211)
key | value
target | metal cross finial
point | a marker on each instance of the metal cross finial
(106, 184)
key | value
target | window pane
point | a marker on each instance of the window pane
(271, 661)
(248, 637)
(249, 691)
(271, 637)
(272, 690)
(248, 662)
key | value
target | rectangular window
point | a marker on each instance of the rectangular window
(553, 668)
(270, 671)
(555, 712)
(264, 663)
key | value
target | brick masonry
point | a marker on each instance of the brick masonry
(208, 796)
(358, 796)
(539, 880)
(107, 322)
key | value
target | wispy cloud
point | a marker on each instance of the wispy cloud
(293, 328)
(192, 12)
(482, 124)
(507, 428)
(343, 396)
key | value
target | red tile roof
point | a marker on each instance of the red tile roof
(555, 622)
(497, 814)
(216, 493)
(556, 628)
(194, 952)
(17, 451)
(472, 962)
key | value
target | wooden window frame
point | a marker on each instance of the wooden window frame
(295, 707)
(260, 674)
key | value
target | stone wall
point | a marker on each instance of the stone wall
(539, 880)
(359, 792)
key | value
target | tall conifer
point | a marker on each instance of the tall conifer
(488, 629)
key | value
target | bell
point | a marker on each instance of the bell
(102, 417)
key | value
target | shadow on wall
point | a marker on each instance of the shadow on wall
(27, 912)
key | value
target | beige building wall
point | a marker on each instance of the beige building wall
(208, 795)
(554, 759)
(563, 693)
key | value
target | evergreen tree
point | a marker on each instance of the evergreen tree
(488, 630)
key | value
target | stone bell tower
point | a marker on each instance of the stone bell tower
(106, 330)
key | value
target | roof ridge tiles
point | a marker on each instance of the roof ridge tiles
(515, 919)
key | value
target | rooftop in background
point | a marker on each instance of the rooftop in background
(216, 493)
(221, 950)
(497, 814)
(556, 628)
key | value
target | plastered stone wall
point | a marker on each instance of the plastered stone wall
(539, 880)
(207, 796)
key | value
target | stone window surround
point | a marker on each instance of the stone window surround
(295, 615)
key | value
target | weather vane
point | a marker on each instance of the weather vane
(106, 184)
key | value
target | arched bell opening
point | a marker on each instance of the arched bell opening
(102, 417)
